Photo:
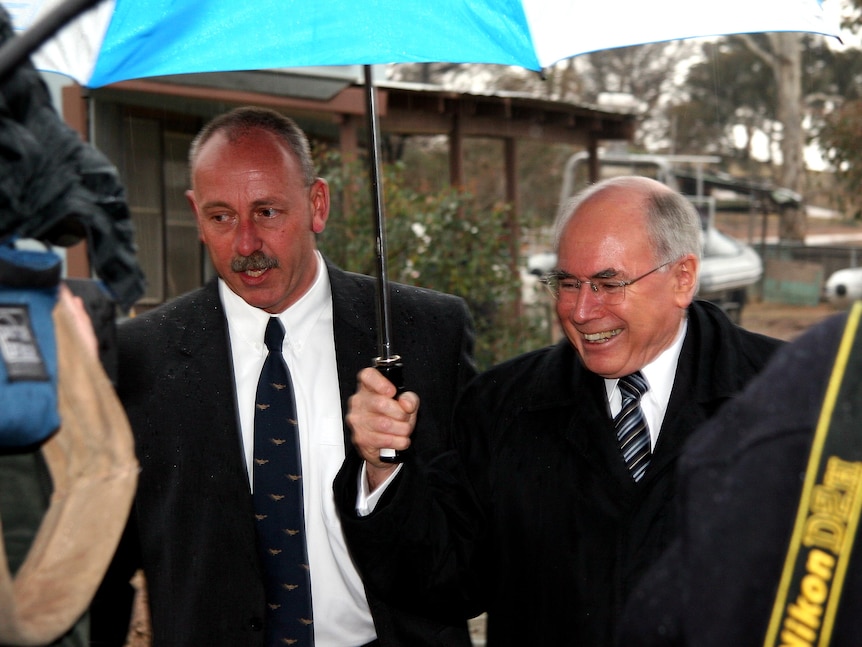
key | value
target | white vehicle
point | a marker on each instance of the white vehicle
(728, 265)
(843, 287)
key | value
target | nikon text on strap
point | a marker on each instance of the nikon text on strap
(825, 529)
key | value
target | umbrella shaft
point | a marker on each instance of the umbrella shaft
(384, 346)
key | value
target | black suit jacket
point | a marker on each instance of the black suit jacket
(554, 532)
(192, 519)
(740, 480)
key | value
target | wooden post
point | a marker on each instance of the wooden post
(75, 115)
(456, 154)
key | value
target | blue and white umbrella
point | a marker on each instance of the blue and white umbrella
(128, 39)
(119, 40)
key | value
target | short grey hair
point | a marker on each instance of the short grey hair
(673, 222)
(241, 121)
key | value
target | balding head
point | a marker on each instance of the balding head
(672, 223)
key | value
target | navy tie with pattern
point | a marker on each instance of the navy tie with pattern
(632, 432)
(277, 473)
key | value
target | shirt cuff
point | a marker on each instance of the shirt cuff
(366, 501)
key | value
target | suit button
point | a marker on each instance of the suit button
(256, 624)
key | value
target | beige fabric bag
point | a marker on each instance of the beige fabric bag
(94, 471)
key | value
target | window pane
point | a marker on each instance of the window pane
(142, 175)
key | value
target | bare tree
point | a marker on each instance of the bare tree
(784, 57)
(647, 73)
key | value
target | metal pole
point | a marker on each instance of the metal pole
(384, 347)
(386, 362)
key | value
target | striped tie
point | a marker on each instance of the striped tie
(632, 433)
(277, 501)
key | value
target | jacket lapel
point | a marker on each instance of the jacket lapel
(203, 347)
(354, 328)
(570, 401)
(707, 375)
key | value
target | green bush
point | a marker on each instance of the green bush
(441, 241)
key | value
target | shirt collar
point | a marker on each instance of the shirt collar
(660, 372)
(249, 323)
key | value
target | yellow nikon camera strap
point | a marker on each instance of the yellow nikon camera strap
(829, 508)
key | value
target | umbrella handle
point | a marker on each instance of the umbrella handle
(391, 368)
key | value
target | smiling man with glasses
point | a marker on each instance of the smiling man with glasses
(559, 489)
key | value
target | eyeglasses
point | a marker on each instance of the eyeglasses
(564, 286)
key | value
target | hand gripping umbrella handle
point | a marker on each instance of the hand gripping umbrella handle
(391, 368)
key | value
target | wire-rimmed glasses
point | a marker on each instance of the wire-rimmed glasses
(564, 286)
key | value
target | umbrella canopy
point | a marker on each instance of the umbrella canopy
(118, 40)
(127, 39)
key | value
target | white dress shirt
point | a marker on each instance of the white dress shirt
(659, 374)
(341, 614)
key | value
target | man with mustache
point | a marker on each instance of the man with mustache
(558, 492)
(188, 377)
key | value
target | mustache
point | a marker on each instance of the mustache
(255, 261)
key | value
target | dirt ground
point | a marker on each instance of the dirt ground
(139, 632)
(781, 320)
(777, 319)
